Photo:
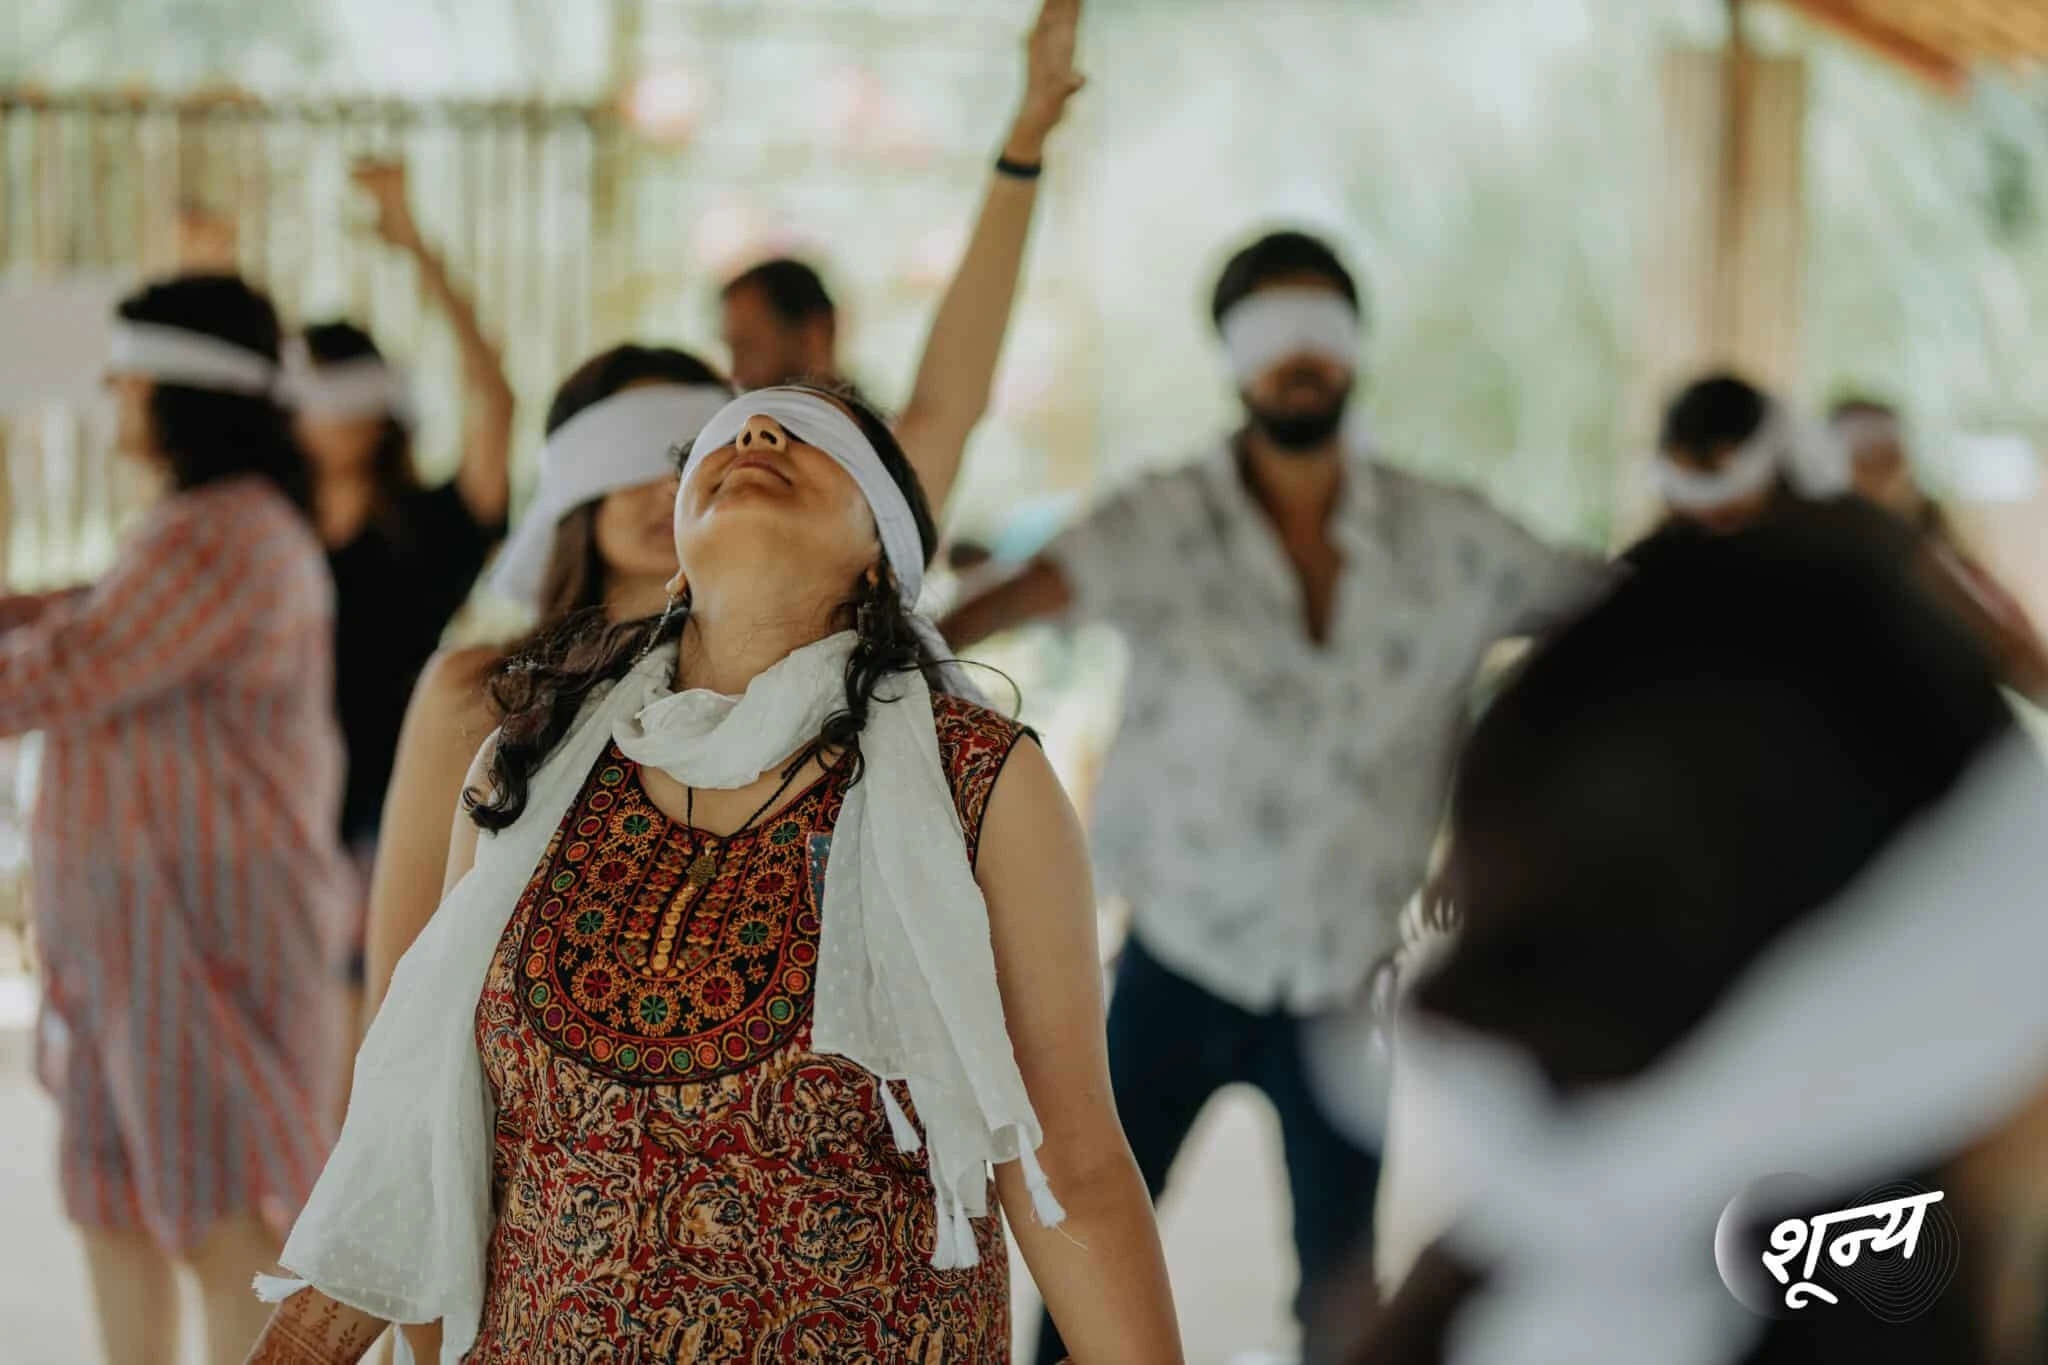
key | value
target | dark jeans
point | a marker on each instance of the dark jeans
(1172, 1045)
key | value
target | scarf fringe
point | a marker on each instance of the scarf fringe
(901, 1129)
(1044, 1206)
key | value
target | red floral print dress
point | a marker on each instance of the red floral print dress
(678, 1177)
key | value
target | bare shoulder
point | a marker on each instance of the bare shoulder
(450, 694)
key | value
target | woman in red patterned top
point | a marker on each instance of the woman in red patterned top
(695, 1148)
(185, 856)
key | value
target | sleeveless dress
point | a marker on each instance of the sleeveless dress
(677, 1176)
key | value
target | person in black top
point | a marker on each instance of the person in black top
(403, 556)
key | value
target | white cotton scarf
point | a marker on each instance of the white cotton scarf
(399, 1224)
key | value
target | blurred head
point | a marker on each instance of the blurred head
(779, 324)
(1290, 318)
(199, 434)
(1871, 433)
(1705, 431)
(378, 446)
(617, 550)
(768, 505)
(1713, 752)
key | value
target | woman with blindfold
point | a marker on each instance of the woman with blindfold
(772, 946)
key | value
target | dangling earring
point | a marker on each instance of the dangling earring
(677, 602)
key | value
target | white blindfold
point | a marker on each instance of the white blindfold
(622, 442)
(818, 421)
(1814, 462)
(1274, 324)
(344, 390)
(193, 360)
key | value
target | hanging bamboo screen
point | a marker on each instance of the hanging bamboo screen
(521, 199)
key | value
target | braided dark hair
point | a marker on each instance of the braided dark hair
(540, 690)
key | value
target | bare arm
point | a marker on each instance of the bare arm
(1039, 592)
(959, 365)
(448, 718)
(1102, 1271)
(26, 608)
(482, 479)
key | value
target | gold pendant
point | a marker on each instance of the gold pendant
(703, 869)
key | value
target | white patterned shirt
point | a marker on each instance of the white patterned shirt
(1269, 804)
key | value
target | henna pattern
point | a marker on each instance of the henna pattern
(308, 1329)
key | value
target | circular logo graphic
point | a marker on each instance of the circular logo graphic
(1786, 1246)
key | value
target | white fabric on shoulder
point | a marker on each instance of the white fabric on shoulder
(193, 360)
(399, 1224)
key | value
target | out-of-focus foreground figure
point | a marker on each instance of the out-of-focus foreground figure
(1660, 798)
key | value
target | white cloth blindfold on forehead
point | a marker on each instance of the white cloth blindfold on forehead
(622, 442)
(195, 360)
(344, 390)
(1814, 462)
(1273, 324)
(818, 421)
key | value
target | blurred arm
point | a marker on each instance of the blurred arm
(1039, 592)
(27, 608)
(483, 478)
(176, 605)
(951, 392)
(1101, 1271)
(448, 718)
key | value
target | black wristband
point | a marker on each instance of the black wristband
(1018, 170)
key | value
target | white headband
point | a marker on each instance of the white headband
(1814, 462)
(343, 389)
(622, 442)
(195, 360)
(1266, 328)
(818, 421)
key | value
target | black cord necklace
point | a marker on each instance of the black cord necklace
(706, 866)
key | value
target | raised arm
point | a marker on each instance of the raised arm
(959, 365)
(482, 479)
(1102, 1271)
(447, 719)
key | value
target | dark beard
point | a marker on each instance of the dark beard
(1301, 432)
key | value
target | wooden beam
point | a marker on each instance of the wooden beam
(1930, 64)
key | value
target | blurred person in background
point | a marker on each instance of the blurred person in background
(1875, 441)
(595, 543)
(1302, 621)
(1659, 795)
(186, 864)
(753, 864)
(779, 324)
(403, 556)
(1729, 455)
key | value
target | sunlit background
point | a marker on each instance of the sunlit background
(1522, 182)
